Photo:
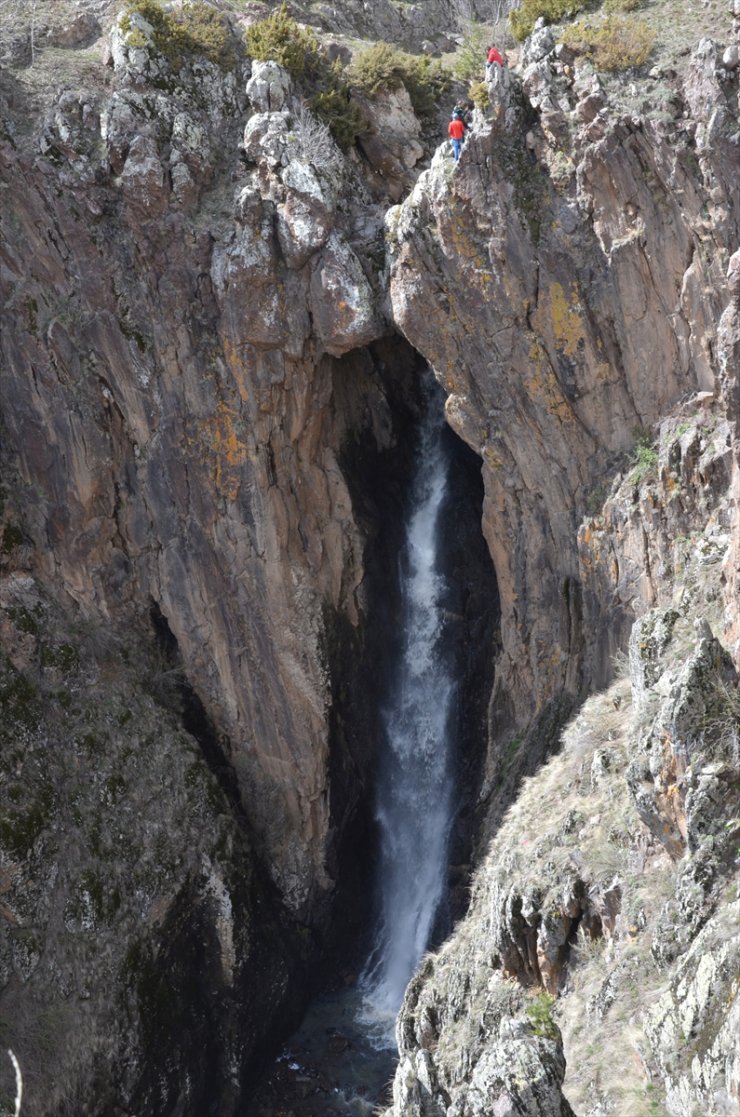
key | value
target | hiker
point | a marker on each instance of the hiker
(465, 111)
(494, 57)
(456, 128)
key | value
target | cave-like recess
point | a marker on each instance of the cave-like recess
(359, 658)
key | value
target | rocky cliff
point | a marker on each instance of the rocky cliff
(584, 296)
(206, 406)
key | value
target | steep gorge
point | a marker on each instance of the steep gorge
(207, 414)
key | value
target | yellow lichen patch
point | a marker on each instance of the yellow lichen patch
(542, 384)
(492, 459)
(237, 368)
(228, 451)
(559, 316)
(567, 326)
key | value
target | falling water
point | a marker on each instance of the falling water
(414, 799)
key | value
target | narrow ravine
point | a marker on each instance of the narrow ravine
(414, 799)
(341, 1060)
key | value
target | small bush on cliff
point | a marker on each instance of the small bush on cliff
(523, 19)
(280, 39)
(315, 141)
(478, 94)
(383, 66)
(615, 42)
(343, 119)
(539, 1012)
(612, 6)
(196, 30)
(645, 459)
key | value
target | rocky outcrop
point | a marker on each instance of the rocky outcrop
(501, 275)
(595, 516)
(172, 385)
(585, 904)
(141, 953)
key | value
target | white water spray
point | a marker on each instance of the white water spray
(414, 800)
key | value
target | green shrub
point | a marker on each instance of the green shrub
(478, 94)
(470, 60)
(616, 6)
(383, 66)
(523, 19)
(280, 39)
(344, 120)
(197, 30)
(644, 459)
(539, 1012)
(612, 43)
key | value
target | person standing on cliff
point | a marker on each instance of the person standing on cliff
(456, 128)
(494, 57)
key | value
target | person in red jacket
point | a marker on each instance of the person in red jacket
(456, 128)
(493, 58)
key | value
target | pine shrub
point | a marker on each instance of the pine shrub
(539, 1012)
(523, 19)
(197, 30)
(278, 38)
(470, 60)
(478, 94)
(344, 120)
(615, 42)
(383, 66)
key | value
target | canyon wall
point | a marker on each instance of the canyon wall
(203, 390)
(578, 260)
(576, 263)
(179, 299)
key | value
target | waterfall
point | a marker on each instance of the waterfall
(413, 797)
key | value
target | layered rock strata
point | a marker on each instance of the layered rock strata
(606, 905)
(576, 264)
(580, 261)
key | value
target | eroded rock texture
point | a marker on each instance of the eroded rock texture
(577, 288)
(197, 391)
(184, 274)
(580, 261)
(171, 368)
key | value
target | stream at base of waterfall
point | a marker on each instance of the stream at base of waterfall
(341, 1060)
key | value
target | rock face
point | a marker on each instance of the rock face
(138, 955)
(200, 406)
(177, 396)
(500, 276)
(173, 368)
(618, 904)
(607, 884)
